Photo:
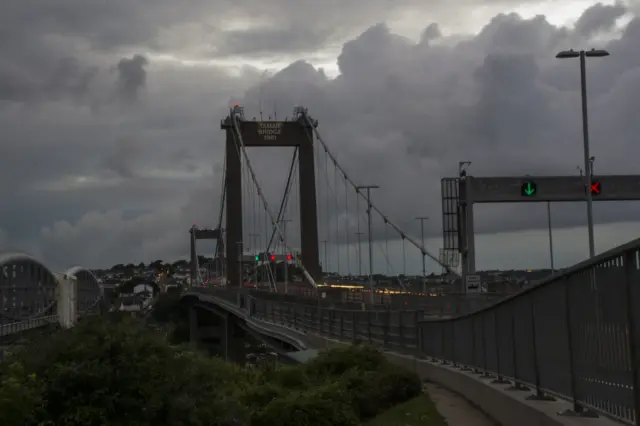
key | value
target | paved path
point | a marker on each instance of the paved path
(455, 409)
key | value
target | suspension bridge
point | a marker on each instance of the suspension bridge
(325, 205)
(568, 345)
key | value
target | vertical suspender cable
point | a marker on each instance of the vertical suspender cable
(376, 209)
(346, 226)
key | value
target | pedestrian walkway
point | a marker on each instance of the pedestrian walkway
(456, 410)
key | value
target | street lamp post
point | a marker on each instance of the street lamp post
(369, 188)
(424, 267)
(359, 234)
(582, 55)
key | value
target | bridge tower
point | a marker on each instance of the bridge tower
(267, 134)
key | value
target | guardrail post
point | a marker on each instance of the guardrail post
(517, 386)
(485, 371)
(578, 410)
(629, 272)
(369, 326)
(320, 330)
(341, 324)
(499, 379)
(539, 395)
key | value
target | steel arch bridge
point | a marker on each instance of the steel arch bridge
(29, 293)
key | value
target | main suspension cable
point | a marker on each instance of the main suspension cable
(303, 112)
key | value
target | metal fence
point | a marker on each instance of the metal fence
(573, 336)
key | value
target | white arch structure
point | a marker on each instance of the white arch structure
(31, 295)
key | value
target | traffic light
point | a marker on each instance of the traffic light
(289, 257)
(273, 257)
(257, 258)
(528, 189)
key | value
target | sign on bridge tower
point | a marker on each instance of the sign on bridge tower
(267, 134)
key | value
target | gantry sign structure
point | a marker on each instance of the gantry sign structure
(268, 134)
(460, 194)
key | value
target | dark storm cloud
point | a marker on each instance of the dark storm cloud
(401, 115)
(599, 18)
(132, 76)
(412, 111)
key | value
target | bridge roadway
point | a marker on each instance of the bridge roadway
(564, 352)
(32, 296)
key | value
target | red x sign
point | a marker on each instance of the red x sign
(595, 187)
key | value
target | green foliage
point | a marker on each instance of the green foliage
(338, 361)
(325, 405)
(104, 373)
(21, 400)
(117, 372)
(166, 307)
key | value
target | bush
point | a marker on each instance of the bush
(337, 361)
(118, 372)
(325, 405)
(105, 373)
(372, 392)
(166, 307)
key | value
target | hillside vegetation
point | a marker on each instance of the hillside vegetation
(117, 372)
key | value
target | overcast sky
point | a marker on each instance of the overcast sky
(112, 149)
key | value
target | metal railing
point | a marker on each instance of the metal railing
(573, 336)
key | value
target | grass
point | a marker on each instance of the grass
(419, 411)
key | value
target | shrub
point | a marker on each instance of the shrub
(105, 373)
(325, 405)
(337, 361)
(166, 307)
(372, 392)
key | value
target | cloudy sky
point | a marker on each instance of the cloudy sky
(109, 110)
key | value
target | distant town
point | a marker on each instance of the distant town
(132, 287)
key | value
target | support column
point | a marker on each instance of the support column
(308, 207)
(234, 207)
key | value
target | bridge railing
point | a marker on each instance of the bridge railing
(391, 330)
(573, 336)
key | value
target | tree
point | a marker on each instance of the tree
(119, 372)
(115, 373)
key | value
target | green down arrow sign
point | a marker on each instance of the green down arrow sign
(528, 189)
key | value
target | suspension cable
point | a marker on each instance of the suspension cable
(285, 197)
(243, 151)
(335, 183)
(303, 112)
(326, 194)
(386, 240)
(359, 236)
(404, 259)
(346, 226)
(223, 196)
